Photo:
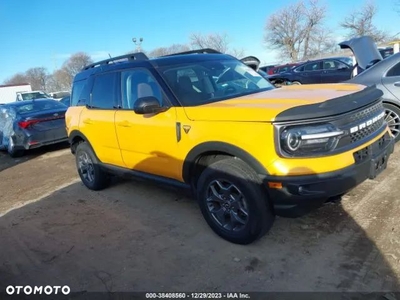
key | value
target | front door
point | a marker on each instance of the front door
(335, 71)
(148, 143)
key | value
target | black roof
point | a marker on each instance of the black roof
(140, 59)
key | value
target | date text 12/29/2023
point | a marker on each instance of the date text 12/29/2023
(197, 296)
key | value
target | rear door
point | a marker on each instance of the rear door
(392, 80)
(97, 118)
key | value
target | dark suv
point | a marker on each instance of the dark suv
(327, 70)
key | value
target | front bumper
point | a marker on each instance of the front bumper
(300, 193)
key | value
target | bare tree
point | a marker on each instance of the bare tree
(360, 22)
(175, 48)
(60, 80)
(294, 29)
(216, 41)
(76, 63)
(19, 78)
(37, 77)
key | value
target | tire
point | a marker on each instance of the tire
(392, 116)
(234, 177)
(89, 170)
(296, 83)
(12, 151)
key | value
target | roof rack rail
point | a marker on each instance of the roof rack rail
(197, 51)
(131, 56)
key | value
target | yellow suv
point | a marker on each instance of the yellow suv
(206, 121)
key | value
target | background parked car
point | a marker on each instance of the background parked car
(267, 68)
(379, 71)
(386, 52)
(31, 124)
(32, 95)
(327, 70)
(281, 68)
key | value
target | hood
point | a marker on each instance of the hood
(266, 106)
(251, 61)
(364, 50)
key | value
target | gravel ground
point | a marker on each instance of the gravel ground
(136, 236)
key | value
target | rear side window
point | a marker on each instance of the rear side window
(104, 91)
(395, 71)
(77, 88)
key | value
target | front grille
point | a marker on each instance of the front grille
(355, 128)
(366, 113)
(363, 133)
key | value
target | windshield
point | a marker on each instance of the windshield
(34, 95)
(204, 82)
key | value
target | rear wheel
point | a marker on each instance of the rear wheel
(296, 83)
(392, 117)
(89, 170)
(12, 151)
(233, 201)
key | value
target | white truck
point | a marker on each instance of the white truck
(8, 93)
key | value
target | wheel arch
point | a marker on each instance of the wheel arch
(75, 137)
(192, 167)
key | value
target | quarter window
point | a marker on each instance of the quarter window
(76, 92)
(137, 84)
(104, 91)
(395, 71)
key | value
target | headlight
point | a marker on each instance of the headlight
(307, 140)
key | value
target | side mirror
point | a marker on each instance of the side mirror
(148, 105)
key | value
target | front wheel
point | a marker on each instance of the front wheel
(392, 117)
(89, 170)
(233, 201)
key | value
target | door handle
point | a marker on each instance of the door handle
(124, 124)
(88, 121)
(397, 84)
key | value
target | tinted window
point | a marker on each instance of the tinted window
(333, 65)
(312, 66)
(300, 69)
(77, 88)
(104, 91)
(137, 84)
(395, 71)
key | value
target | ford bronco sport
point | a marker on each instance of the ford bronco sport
(205, 120)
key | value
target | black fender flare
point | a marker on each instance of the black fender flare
(77, 133)
(218, 147)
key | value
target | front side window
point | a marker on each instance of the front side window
(136, 84)
(207, 81)
(104, 91)
(314, 66)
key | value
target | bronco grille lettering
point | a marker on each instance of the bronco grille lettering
(367, 123)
